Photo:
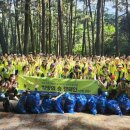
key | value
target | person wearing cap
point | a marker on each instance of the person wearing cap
(122, 87)
(119, 73)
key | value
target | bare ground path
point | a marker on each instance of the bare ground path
(54, 121)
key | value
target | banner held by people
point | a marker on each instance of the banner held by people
(58, 85)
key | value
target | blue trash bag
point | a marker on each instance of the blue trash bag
(70, 102)
(124, 103)
(47, 105)
(81, 103)
(91, 104)
(113, 107)
(101, 104)
(57, 105)
(21, 105)
(33, 103)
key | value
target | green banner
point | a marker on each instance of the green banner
(58, 85)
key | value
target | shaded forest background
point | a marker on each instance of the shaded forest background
(65, 27)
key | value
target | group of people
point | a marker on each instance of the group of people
(112, 72)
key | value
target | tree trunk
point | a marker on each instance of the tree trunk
(26, 26)
(75, 22)
(32, 36)
(98, 25)
(102, 45)
(92, 28)
(70, 27)
(61, 27)
(17, 27)
(50, 36)
(117, 28)
(84, 37)
(88, 31)
(128, 20)
(43, 41)
(67, 26)
(2, 40)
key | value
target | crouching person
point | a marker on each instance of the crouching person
(122, 87)
(11, 88)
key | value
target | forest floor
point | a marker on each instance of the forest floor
(54, 121)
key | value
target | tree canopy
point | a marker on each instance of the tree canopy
(87, 27)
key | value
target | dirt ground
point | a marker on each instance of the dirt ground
(54, 121)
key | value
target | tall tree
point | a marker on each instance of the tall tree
(17, 27)
(92, 27)
(98, 26)
(75, 23)
(50, 34)
(128, 19)
(26, 26)
(70, 26)
(61, 27)
(2, 40)
(43, 41)
(102, 35)
(116, 27)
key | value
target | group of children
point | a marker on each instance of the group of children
(112, 72)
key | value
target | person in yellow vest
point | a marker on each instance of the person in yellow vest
(52, 71)
(25, 71)
(8, 70)
(119, 73)
(65, 74)
(37, 72)
(128, 75)
(122, 87)
(90, 74)
(76, 73)
(105, 71)
(44, 67)
(112, 87)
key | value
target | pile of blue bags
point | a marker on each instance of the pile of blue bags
(69, 103)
